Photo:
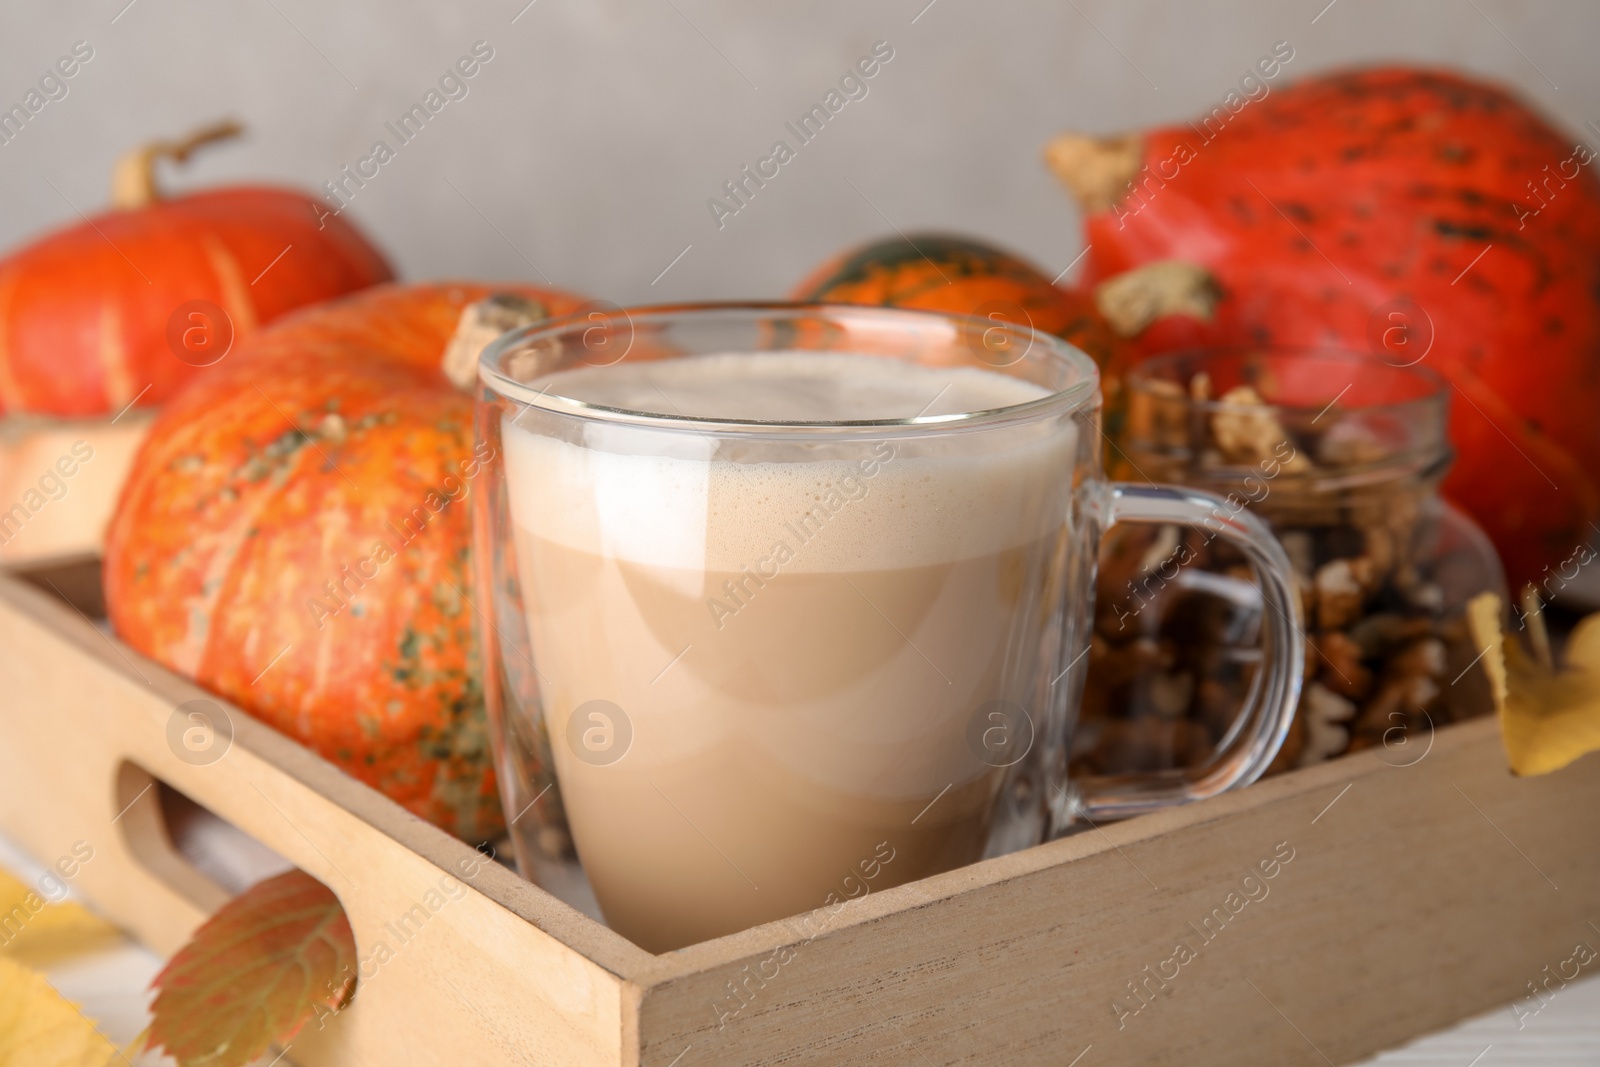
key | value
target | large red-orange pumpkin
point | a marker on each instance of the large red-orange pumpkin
(1396, 211)
(122, 306)
(295, 535)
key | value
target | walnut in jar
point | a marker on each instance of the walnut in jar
(1342, 457)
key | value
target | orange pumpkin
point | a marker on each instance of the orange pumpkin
(959, 276)
(128, 305)
(295, 536)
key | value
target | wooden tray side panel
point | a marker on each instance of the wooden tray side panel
(1422, 895)
(60, 479)
(459, 977)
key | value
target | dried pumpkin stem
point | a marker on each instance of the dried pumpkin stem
(1134, 299)
(1097, 170)
(133, 177)
(481, 323)
(1538, 633)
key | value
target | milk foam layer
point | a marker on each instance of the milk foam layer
(675, 498)
(794, 386)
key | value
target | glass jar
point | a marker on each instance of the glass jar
(1342, 455)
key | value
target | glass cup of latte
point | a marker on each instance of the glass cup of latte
(782, 604)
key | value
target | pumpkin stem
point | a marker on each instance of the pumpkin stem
(133, 177)
(1097, 170)
(1134, 299)
(481, 323)
(1538, 632)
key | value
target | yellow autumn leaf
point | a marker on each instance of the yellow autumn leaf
(40, 1028)
(1548, 717)
(35, 930)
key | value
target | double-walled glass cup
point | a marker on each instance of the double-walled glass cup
(757, 666)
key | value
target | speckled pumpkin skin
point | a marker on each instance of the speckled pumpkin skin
(936, 272)
(296, 537)
(1323, 202)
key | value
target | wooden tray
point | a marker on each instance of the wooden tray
(59, 480)
(1415, 896)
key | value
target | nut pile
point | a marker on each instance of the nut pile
(1383, 572)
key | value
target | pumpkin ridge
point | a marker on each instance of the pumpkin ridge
(235, 295)
(117, 384)
(225, 557)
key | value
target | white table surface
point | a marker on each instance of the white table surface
(111, 986)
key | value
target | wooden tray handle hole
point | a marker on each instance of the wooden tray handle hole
(195, 852)
(76, 579)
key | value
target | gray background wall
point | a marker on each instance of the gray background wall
(588, 146)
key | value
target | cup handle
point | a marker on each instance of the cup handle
(1269, 707)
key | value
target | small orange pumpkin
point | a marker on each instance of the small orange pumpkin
(124, 306)
(295, 536)
(960, 276)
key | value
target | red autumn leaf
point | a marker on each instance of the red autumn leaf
(254, 974)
